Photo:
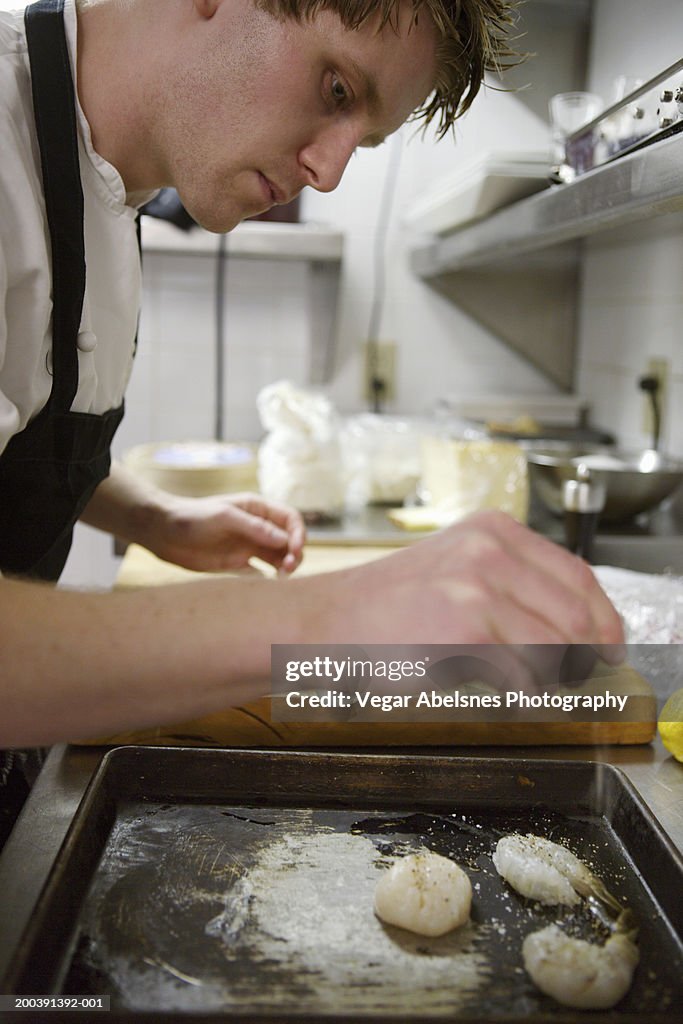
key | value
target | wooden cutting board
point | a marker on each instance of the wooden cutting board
(252, 725)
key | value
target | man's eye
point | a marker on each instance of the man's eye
(338, 90)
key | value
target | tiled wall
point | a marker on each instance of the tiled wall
(266, 329)
(632, 311)
(632, 303)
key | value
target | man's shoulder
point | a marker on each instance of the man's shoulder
(15, 81)
(21, 204)
(17, 123)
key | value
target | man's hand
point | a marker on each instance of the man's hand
(485, 580)
(215, 534)
(223, 532)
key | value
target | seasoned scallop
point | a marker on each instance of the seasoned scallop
(424, 893)
(578, 973)
(543, 870)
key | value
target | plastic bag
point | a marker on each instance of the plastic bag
(299, 461)
(381, 456)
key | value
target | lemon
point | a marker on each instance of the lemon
(671, 724)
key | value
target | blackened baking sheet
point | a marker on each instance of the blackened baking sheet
(241, 883)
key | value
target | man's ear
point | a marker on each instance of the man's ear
(206, 8)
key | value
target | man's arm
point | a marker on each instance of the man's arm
(81, 665)
(215, 534)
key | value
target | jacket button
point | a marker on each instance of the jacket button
(86, 341)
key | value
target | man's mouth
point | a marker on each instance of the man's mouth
(277, 196)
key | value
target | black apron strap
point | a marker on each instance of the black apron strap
(54, 103)
(50, 469)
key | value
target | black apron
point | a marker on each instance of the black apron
(49, 471)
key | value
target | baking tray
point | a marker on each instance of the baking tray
(214, 885)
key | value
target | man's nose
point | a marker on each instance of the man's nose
(325, 158)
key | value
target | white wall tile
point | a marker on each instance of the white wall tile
(632, 301)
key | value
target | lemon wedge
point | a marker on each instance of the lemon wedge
(670, 724)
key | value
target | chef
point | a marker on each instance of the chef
(238, 104)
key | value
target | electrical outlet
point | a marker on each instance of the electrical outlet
(379, 364)
(659, 370)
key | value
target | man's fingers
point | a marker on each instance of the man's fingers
(553, 584)
(280, 525)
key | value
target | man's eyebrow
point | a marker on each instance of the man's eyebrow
(372, 98)
(369, 83)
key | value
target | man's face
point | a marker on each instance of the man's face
(261, 108)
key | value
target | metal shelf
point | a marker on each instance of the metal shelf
(249, 240)
(517, 271)
(638, 186)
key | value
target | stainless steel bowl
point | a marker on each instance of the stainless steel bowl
(636, 481)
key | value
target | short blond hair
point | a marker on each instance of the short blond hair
(474, 37)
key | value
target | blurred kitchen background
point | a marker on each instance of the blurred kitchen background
(298, 302)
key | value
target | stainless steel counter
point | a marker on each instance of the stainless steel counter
(30, 852)
(650, 543)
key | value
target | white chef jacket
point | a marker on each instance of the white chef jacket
(112, 293)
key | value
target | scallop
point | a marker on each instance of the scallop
(542, 870)
(577, 973)
(424, 893)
